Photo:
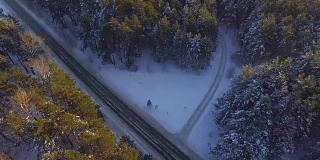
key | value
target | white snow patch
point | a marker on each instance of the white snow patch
(4, 7)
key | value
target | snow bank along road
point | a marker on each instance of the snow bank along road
(148, 133)
(184, 133)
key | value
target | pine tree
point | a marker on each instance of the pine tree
(41, 67)
(31, 45)
(126, 140)
(127, 27)
(6, 88)
(65, 123)
(252, 41)
(17, 124)
(236, 11)
(4, 64)
(313, 152)
(273, 28)
(163, 40)
(24, 100)
(9, 35)
(129, 153)
(178, 47)
(89, 24)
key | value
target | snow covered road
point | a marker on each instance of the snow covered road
(184, 133)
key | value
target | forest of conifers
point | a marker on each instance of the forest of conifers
(271, 109)
(182, 32)
(42, 109)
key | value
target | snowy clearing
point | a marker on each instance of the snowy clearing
(175, 92)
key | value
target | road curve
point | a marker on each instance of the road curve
(187, 128)
(149, 134)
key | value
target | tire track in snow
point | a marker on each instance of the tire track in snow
(186, 130)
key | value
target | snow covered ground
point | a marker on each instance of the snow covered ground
(176, 93)
(5, 9)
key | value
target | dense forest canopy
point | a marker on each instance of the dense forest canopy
(272, 109)
(271, 112)
(183, 32)
(44, 110)
(274, 27)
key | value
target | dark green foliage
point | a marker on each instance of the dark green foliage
(67, 155)
(126, 140)
(66, 118)
(4, 64)
(192, 51)
(13, 41)
(16, 123)
(9, 35)
(313, 151)
(274, 28)
(125, 27)
(271, 112)
(54, 116)
(236, 11)
(59, 9)
(147, 157)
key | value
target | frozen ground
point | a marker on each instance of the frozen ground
(205, 133)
